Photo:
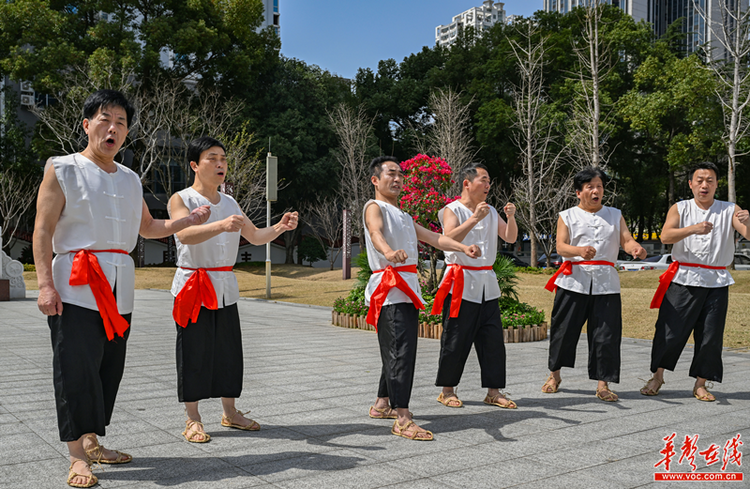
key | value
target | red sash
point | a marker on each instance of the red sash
(567, 269)
(666, 278)
(455, 277)
(197, 291)
(87, 271)
(391, 278)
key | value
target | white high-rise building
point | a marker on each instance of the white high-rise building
(480, 18)
(271, 15)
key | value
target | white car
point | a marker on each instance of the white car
(658, 262)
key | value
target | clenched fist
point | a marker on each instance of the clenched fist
(199, 215)
(510, 209)
(234, 223)
(398, 256)
(473, 251)
(587, 252)
(481, 211)
(743, 216)
(704, 227)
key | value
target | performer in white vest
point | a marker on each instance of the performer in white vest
(393, 293)
(209, 339)
(469, 292)
(90, 211)
(589, 237)
(693, 293)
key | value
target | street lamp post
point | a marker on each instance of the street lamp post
(271, 196)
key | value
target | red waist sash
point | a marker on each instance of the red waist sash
(666, 278)
(87, 271)
(455, 277)
(567, 269)
(391, 279)
(197, 291)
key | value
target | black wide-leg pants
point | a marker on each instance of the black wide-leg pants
(479, 324)
(603, 315)
(397, 335)
(698, 310)
(87, 370)
(209, 356)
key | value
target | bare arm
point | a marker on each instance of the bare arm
(627, 242)
(374, 224)
(257, 236)
(160, 228)
(741, 221)
(564, 248)
(445, 243)
(49, 206)
(508, 231)
(672, 232)
(458, 232)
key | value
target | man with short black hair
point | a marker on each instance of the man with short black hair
(693, 294)
(209, 339)
(393, 293)
(90, 211)
(589, 237)
(469, 292)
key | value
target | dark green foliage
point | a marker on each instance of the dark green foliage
(310, 250)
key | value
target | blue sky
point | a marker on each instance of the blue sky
(344, 35)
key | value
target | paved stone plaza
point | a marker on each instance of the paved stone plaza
(309, 384)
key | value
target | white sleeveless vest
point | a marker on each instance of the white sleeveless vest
(715, 249)
(102, 212)
(400, 234)
(484, 235)
(602, 231)
(219, 251)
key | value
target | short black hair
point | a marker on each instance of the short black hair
(706, 165)
(198, 146)
(470, 172)
(376, 165)
(586, 175)
(106, 98)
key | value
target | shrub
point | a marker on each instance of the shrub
(310, 250)
(507, 279)
(27, 255)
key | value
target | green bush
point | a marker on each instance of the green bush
(27, 255)
(310, 250)
(515, 313)
(507, 279)
(29, 267)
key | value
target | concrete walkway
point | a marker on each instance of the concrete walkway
(310, 384)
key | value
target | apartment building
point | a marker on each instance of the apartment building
(480, 18)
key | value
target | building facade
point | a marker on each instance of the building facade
(480, 18)
(271, 15)
(662, 13)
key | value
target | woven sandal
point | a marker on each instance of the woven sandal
(649, 391)
(96, 454)
(227, 422)
(447, 400)
(496, 401)
(708, 397)
(605, 394)
(384, 413)
(189, 426)
(551, 388)
(416, 430)
(91, 480)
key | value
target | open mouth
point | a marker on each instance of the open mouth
(110, 141)
(221, 173)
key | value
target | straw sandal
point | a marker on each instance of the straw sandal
(91, 480)
(96, 454)
(650, 391)
(450, 398)
(708, 397)
(194, 433)
(605, 394)
(551, 385)
(227, 422)
(415, 430)
(496, 401)
(384, 413)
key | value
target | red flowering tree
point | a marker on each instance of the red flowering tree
(426, 183)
